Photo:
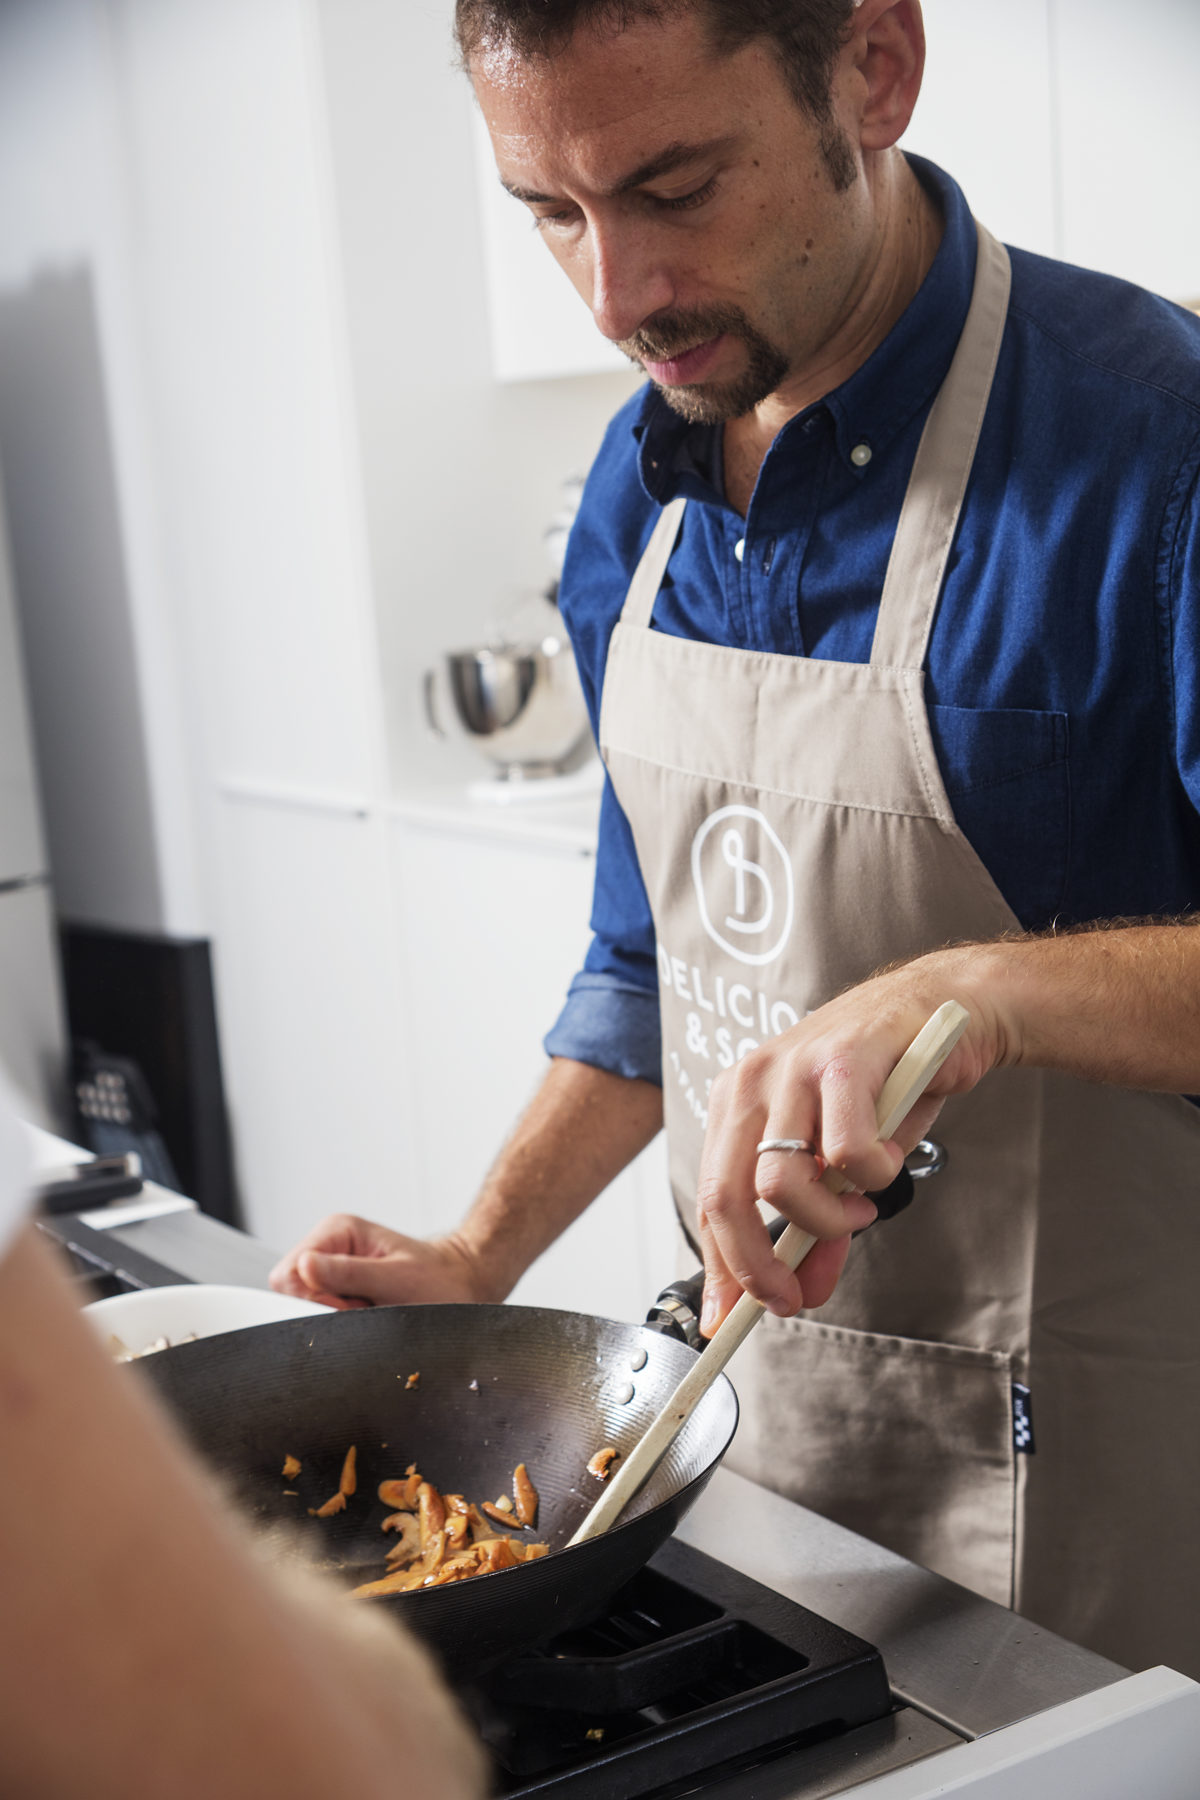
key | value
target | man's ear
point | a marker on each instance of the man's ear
(887, 52)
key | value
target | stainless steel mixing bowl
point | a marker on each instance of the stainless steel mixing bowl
(521, 704)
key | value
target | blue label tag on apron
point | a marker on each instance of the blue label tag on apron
(1022, 1419)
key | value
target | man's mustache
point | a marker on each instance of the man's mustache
(675, 333)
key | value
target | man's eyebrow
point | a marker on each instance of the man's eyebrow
(664, 162)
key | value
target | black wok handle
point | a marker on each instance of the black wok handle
(677, 1309)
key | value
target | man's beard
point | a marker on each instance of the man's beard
(711, 402)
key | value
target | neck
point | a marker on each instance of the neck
(902, 250)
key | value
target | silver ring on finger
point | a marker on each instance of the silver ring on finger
(788, 1146)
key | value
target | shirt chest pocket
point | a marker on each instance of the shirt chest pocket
(1007, 776)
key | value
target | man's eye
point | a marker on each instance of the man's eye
(554, 220)
(681, 202)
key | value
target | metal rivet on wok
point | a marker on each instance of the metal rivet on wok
(637, 1360)
(624, 1394)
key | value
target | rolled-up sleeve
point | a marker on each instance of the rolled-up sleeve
(611, 1017)
(611, 1025)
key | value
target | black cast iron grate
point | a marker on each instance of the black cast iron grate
(692, 1668)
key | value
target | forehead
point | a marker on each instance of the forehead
(610, 98)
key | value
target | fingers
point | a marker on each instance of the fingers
(844, 1124)
(346, 1281)
(340, 1234)
(920, 1122)
(817, 1085)
(742, 1261)
(737, 1248)
(812, 1284)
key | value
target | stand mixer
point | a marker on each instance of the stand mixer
(517, 698)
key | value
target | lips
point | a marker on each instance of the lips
(690, 365)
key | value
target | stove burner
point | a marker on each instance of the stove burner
(692, 1669)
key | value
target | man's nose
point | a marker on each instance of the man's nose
(630, 281)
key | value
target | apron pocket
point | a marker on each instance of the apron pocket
(908, 1442)
(1007, 777)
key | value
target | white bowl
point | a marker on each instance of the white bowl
(196, 1309)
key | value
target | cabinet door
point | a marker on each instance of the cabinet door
(492, 933)
(306, 983)
(539, 325)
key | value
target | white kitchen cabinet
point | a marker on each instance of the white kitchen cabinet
(492, 929)
(313, 1042)
(539, 326)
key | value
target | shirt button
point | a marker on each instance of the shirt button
(860, 456)
(739, 549)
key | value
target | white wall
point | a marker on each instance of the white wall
(78, 460)
(1073, 128)
(985, 113)
(461, 474)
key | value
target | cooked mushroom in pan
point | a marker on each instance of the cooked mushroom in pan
(346, 1487)
(601, 1464)
(441, 1537)
(444, 1537)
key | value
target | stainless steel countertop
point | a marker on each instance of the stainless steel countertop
(200, 1248)
(965, 1662)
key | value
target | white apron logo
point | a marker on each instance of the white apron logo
(746, 905)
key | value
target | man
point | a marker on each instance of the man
(884, 597)
(147, 1651)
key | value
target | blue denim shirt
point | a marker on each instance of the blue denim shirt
(1061, 677)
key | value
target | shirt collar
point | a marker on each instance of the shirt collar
(900, 376)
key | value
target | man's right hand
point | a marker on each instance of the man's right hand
(348, 1262)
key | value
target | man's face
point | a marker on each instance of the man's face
(716, 232)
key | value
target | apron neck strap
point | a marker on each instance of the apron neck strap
(933, 501)
(647, 577)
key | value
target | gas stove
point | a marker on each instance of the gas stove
(690, 1669)
(766, 1653)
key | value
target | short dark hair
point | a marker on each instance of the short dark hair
(805, 35)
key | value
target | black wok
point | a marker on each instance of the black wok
(498, 1385)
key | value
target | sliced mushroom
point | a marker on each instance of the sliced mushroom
(401, 1582)
(602, 1463)
(500, 1553)
(525, 1495)
(481, 1529)
(430, 1511)
(335, 1505)
(502, 1515)
(433, 1556)
(457, 1528)
(456, 1568)
(401, 1495)
(408, 1538)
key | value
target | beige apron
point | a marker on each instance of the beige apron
(794, 834)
